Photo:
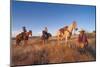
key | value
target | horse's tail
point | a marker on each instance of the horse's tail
(17, 40)
(41, 37)
(19, 37)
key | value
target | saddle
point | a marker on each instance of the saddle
(62, 30)
(45, 35)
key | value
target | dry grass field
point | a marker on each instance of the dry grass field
(37, 53)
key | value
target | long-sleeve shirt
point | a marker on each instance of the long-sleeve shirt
(82, 39)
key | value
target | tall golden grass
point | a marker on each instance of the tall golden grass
(37, 53)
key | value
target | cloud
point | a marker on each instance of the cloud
(14, 33)
(39, 33)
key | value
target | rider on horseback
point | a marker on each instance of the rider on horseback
(82, 39)
(45, 35)
(23, 36)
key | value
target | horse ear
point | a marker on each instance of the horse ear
(74, 22)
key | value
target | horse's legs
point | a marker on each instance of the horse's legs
(47, 41)
(25, 42)
(58, 39)
(66, 42)
(17, 42)
(43, 41)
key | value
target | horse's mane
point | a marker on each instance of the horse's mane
(72, 26)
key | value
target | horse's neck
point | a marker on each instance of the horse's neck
(70, 28)
(27, 33)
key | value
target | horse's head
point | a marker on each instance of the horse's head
(74, 25)
(30, 32)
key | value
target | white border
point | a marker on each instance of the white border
(82, 2)
(5, 33)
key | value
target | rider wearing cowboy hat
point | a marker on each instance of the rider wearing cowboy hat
(82, 39)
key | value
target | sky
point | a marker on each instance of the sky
(36, 15)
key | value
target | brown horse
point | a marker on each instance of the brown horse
(66, 32)
(23, 36)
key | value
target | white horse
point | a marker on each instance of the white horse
(66, 32)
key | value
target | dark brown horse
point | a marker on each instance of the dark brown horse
(45, 36)
(23, 36)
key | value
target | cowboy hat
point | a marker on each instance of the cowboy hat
(82, 30)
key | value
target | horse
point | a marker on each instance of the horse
(23, 36)
(45, 36)
(65, 33)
